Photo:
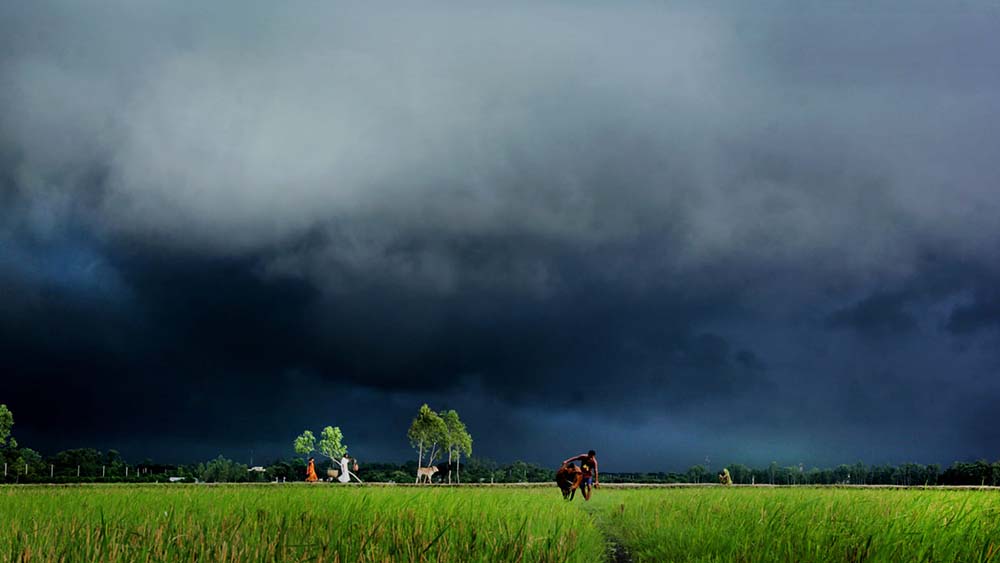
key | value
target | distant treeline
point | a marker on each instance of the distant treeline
(93, 466)
(977, 473)
(87, 465)
(435, 433)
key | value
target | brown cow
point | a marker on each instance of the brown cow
(568, 478)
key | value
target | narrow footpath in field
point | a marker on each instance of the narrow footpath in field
(617, 551)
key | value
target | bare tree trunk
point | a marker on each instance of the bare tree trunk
(449, 466)
(420, 459)
(458, 468)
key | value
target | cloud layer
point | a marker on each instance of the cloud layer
(777, 220)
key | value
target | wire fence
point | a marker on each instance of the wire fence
(58, 473)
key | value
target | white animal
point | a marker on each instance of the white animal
(426, 472)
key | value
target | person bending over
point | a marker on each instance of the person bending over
(588, 466)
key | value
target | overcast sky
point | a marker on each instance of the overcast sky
(664, 231)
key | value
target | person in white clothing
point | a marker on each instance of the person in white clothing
(345, 470)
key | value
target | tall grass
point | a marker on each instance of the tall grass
(172, 523)
(291, 523)
(816, 525)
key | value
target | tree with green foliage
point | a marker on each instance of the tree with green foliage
(305, 444)
(115, 464)
(458, 441)
(222, 470)
(740, 473)
(283, 469)
(6, 424)
(465, 447)
(451, 436)
(428, 433)
(697, 473)
(30, 462)
(860, 473)
(87, 460)
(330, 443)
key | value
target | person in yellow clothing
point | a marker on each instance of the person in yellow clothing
(311, 471)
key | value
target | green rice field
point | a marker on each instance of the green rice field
(805, 524)
(115, 523)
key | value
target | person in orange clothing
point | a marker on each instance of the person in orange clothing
(311, 471)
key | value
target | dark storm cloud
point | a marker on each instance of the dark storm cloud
(983, 312)
(655, 221)
(879, 312)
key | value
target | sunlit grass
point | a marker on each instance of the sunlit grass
(111, 523)
(817, 525)
(291, 523)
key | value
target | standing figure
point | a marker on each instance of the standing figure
(311, 471)
(588, 469)
(345, 470)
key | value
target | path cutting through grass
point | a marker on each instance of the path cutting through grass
(117, 523)
(600, 508)
(803, 524)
